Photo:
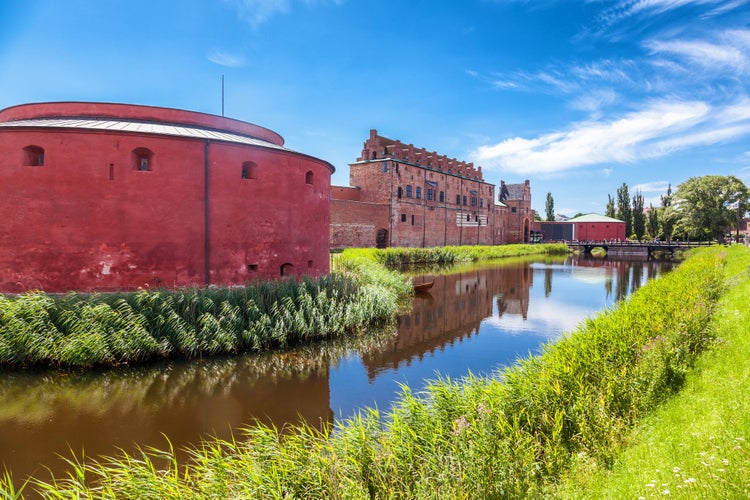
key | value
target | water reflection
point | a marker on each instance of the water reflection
(472, 320)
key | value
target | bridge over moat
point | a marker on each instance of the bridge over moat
(637, 247)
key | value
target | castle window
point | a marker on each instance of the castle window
(513, 209)
(481, 203)
(309, 177)
(33, 156)
(400, 192)
(408, 191)
(286, 269)
(442, 196)
(473, 201)
(385, 166)
(458, 199)
(249, 170)
(143, 159)
(430, 194)
(403, 217)
(412, 220)
(464, 200)
(419, 193)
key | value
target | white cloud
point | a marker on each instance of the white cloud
(652, 132)
(226, 59)
(625, 9)
(704, 54)
(593, 101)
(257, 12)
(651, 187)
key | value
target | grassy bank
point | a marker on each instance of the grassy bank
(396, 258)
(698, 444)
(77, 330)
(512, 435)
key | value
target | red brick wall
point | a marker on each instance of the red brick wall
(599, 231)
(345, 193)
(76, 223)
(356, 224)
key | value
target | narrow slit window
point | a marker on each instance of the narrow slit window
(309, 177)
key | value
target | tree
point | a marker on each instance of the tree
(624, 213)
(652, 221)
(610, 212)
(706, 207)
(537, 217)
(639, 218)
(667, 215)
(550, 208)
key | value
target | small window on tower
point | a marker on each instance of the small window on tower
(249, 170)
(33, 156)
(143, 159)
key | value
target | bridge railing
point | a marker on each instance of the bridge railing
(624, 243)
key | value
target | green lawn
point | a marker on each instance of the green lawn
(697, 445)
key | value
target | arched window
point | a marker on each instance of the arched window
(249, 170)
(33, 156)
(143, 159)
(287, 269)
(309, 177)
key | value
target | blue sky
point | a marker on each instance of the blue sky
(576, 96)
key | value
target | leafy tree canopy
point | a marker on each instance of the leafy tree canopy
(709, 206)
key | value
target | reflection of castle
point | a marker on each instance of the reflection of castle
(453, 310)
(515, 296)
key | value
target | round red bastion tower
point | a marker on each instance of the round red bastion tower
(97, 196)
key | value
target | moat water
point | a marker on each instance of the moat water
(474, 319)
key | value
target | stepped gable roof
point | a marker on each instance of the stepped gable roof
(595, 218)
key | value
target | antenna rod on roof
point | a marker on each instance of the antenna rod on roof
(222, 95)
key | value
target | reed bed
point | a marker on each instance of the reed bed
(510, 435)
(78, 330)
(397, 258)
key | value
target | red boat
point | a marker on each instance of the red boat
(423, 287)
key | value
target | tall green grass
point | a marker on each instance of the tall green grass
(698, 444)
(511, 435)
(396, 258)
(110, 329)
(78, 330)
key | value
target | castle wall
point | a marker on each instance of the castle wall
(431, 200)
(88, 218)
